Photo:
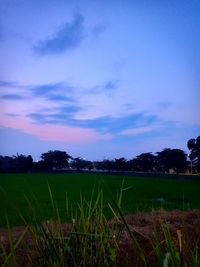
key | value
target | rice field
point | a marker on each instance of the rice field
(24, 197)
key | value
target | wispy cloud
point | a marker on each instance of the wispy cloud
(59, 115)
(12, 115)
(75, 111)
(69, 109)
(59, 98)
(67, 37)
(106, 87)
(54, 92)
(45, 89)
(140, 130)
(7, 84)
(37, 117)
(48, 132)
(116, 125)
(12, 97)
(110, 85)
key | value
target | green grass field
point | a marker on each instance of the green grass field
(28, 194)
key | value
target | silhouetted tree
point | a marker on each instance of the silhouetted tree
(81, 164)
(18, 163)
(175, 159)
(22, 163)
(121, 164)
(108, 165)
(145, 162)
(55, 159)
(134, 164)
(194, 147)
(6, 164)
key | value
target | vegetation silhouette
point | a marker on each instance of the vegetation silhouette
(194, 147)
(166, 161)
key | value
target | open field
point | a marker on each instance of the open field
(17, 191)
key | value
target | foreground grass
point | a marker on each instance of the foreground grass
(27, 195)
(92, 240)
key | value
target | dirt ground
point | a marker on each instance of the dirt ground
(142, 226)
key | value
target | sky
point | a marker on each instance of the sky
(98, 79)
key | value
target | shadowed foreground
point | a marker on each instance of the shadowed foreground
(143, 239)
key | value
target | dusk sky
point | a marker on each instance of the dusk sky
(98, 79)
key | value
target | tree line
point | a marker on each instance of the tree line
(166, 161)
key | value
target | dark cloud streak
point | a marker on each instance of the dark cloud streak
(110, 85)
(63, 115)
(107, 87)
(59, 98)
(45, 89)
(12, 97)
(7, 84)
(67, 37)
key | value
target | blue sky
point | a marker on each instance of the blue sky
(98, 79)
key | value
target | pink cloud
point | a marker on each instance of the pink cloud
(49, 132)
